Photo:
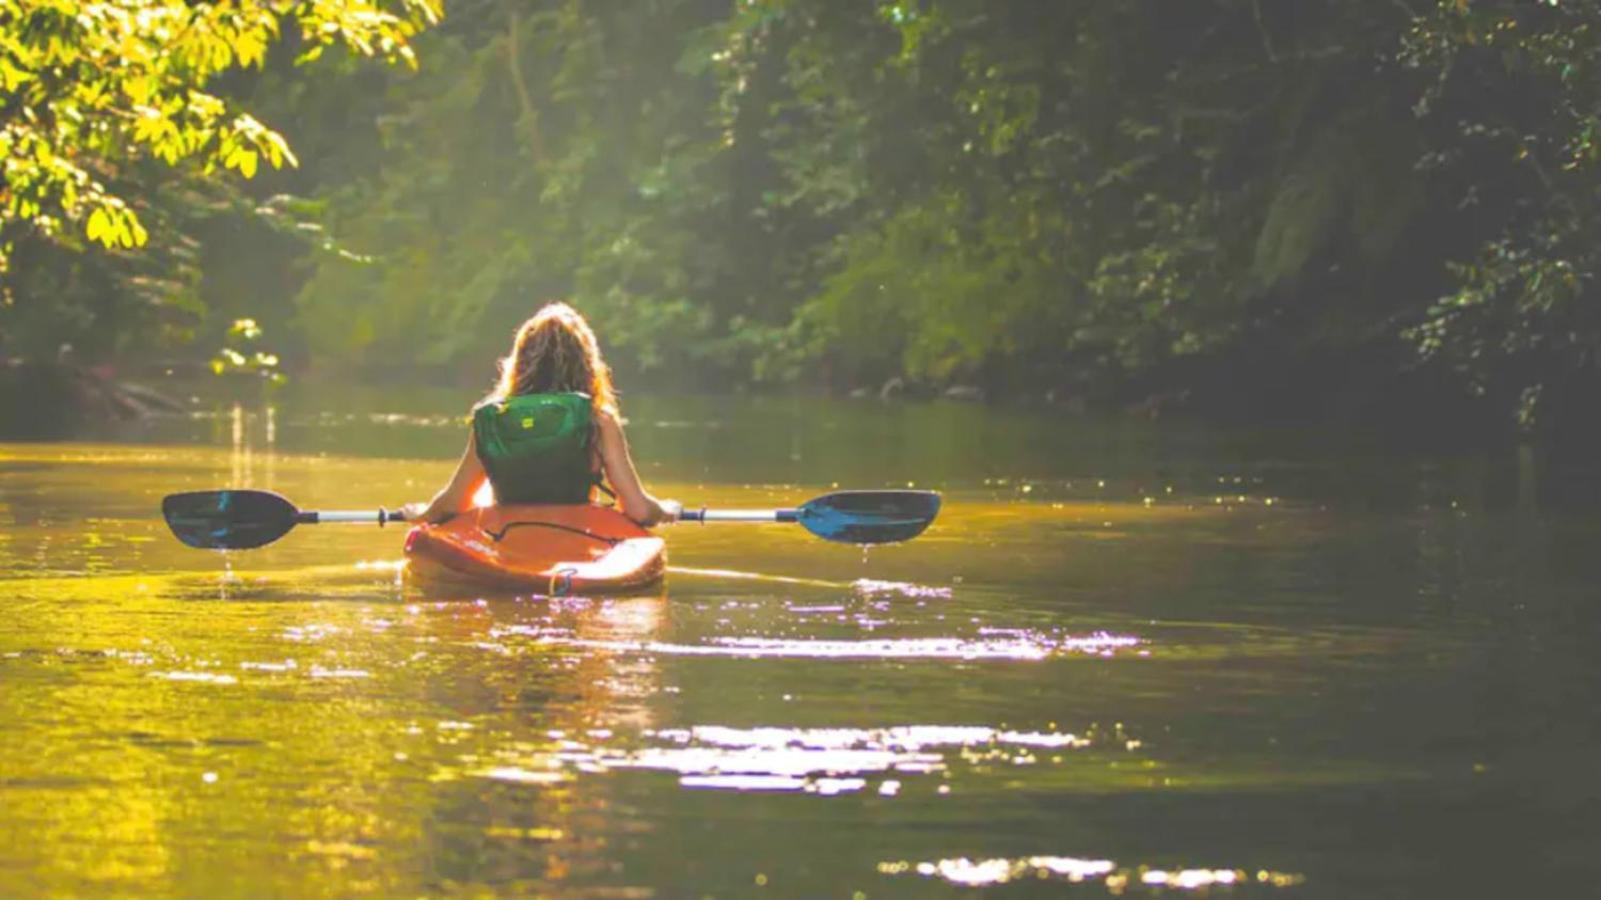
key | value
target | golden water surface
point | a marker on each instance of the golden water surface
(1121, 662)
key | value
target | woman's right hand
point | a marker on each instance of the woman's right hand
(671, 510)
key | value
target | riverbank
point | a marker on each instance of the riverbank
(1356, 407)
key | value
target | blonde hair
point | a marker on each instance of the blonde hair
(555, 352)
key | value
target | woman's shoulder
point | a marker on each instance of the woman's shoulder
(565, 398)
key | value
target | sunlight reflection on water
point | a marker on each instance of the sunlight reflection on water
(988, 872)
(1100, 644)
(824, 761)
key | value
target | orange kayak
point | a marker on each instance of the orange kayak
(555, 550)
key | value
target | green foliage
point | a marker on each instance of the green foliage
(1520, 320)
(241, 354)
(1228, 196)
(555, 151)
(93, 88)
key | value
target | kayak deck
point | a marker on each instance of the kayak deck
(556, 550)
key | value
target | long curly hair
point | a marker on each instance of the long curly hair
(555, 352)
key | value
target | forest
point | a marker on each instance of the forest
(1237, 209)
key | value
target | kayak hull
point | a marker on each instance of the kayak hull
(554, 550)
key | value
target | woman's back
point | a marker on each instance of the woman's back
(550, 429)
(538, 448)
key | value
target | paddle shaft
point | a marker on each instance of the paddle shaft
(313, 517)
(738, 515)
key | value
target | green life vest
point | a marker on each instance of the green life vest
(535, 447)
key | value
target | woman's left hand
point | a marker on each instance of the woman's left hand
(415, 512)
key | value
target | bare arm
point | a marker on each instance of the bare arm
(457, 495)
(637, 504)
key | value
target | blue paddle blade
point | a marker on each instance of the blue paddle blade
(228, 520)
(869, 517)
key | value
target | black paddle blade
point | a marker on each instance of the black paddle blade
(228, 520)
(869, 517)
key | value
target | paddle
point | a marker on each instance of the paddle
(850, 517)
(242, 519)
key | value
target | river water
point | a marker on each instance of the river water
(1127, 659)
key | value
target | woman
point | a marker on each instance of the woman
(550, 432)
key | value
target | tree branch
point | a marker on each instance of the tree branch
(1267, 39)
(530, 115)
